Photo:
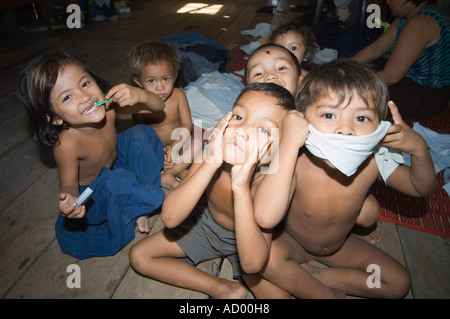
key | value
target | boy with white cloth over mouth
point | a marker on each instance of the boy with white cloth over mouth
(316, 204)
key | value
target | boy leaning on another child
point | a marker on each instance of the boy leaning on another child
(322, 187)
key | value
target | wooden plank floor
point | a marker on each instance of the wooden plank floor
(31, 264)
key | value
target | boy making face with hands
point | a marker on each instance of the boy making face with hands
(258, 112)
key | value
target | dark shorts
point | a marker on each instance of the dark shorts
(202, 239)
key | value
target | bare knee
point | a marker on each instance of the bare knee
(400, 285)
(139, 257)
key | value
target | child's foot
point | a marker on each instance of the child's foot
(370, 234)
(169, 181)
(142, 224)
(232, 290)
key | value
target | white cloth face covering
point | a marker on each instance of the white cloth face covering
(345, 152)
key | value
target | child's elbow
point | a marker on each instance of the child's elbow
(390, 78)
(431, 189)
(252, 266)
(426, 189)
(168, 221)
(166, 217)
(159, 106)
(264, 221)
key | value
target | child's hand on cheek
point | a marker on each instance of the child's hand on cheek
(67, 206)
(214, 149)
(242, 173)
(401, 136)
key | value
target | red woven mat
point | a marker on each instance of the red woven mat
(429, 214)
(237, 61)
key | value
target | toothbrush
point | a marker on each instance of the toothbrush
(83, 197)
(103, 102)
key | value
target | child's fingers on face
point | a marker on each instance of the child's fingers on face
(264, 147)
(253, 156)
(260, 151)
(220, 128)
(223, 123)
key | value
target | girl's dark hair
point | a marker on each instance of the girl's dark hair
(273, 45)
(285, 98)
(36, 83)
(309, 38)
(344, 78)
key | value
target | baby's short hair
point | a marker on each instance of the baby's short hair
(273, 45)
(343, 77)
(285, 98)
(152, 53)
(309, 38)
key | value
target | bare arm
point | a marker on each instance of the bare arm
(379, 47)
(419, 179)
(68, 170)
(270, 208)
(186, 120)
(416, 34)
(253, 244)
(132, 100)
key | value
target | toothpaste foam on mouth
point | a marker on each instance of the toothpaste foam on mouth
(89, 110)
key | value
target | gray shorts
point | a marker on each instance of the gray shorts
(202, 239)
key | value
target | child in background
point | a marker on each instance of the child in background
(196, 233)
(155, 67)
(320, 189)
(274, 63)
(300, 40)
(59, 93)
